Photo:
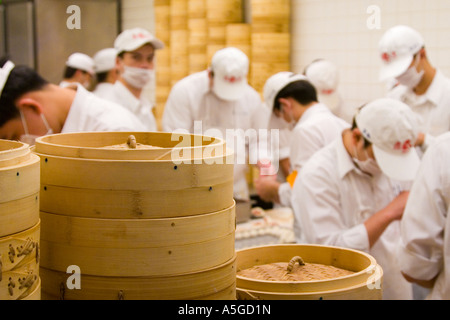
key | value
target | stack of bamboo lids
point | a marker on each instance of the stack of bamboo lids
(19, 222)
(137, 223)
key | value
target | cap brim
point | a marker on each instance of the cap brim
(401, 167)
(229, 91)
(395, 68)
(157, 44)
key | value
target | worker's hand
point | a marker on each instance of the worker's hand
(267, 189)
(266, 168)
(397, 206)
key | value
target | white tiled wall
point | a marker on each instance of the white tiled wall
(338, 30)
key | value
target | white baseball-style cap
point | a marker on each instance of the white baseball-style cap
(324, 75)
(132, 39)
(230, 67)
(5, 71)
(276, 83)
(81, 61)
(105, 60)
(392, 128)
(397, 48)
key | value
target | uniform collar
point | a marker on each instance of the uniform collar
(311, 111)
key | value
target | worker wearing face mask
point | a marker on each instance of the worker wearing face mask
(135, 61)
(352, 193)
(293, 101)
(79, 70)
(221, 101)
(31, 107)
(421, 86)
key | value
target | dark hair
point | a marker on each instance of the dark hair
(21, 80)
(69, 72)
(101, 76)
(302, 91)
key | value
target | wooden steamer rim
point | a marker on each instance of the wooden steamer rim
(90, 145)
(366, 269)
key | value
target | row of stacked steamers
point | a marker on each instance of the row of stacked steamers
(137, 216)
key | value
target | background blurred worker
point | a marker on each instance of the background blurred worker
(79, 70)
(421, 86)
(136, 50)
(105, 70)
(221, 99)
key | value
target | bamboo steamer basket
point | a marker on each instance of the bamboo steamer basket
(364, 284)
(19, 187)
(80, 179)
(197, 9)
(269, 11)
(224, 11)
(19, 257)
(105, 247)
(136, 217)
(215, 283)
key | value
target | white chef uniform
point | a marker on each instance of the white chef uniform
(332, 199)
(433, 107)
(317, 127)
(91, 113)
(141, 108)
(424, 250)
(191, 99)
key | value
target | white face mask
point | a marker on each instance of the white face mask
(369, 165)
(28, 138)
(411, 78)
(137, 77)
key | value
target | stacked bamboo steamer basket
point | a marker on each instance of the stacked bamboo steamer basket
(19, 222)
(364, 284)
(270, 40)
(138, 225)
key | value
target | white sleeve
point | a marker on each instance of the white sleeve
(318, 213)
(422, 226)
(177, 111)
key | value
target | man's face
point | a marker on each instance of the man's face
(139, 58)
(14, 129)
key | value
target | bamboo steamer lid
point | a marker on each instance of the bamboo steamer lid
(19, 257)
(270, 11)
(178, 14)
(218, 282)
(224, 11)
(271, 47)
(197, 9)
(364, 283)
(19, 186)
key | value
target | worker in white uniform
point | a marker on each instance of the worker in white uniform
(353, 192)
(324, 75)
(79, 69)
(424, 250)
(294, 98)
(421, 86)
(105, 71)
(136, 49)
(31, 107)
(220, 99)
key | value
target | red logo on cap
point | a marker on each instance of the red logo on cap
(139, 36)
(405, 146)
(388, 57)
(232, 79)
